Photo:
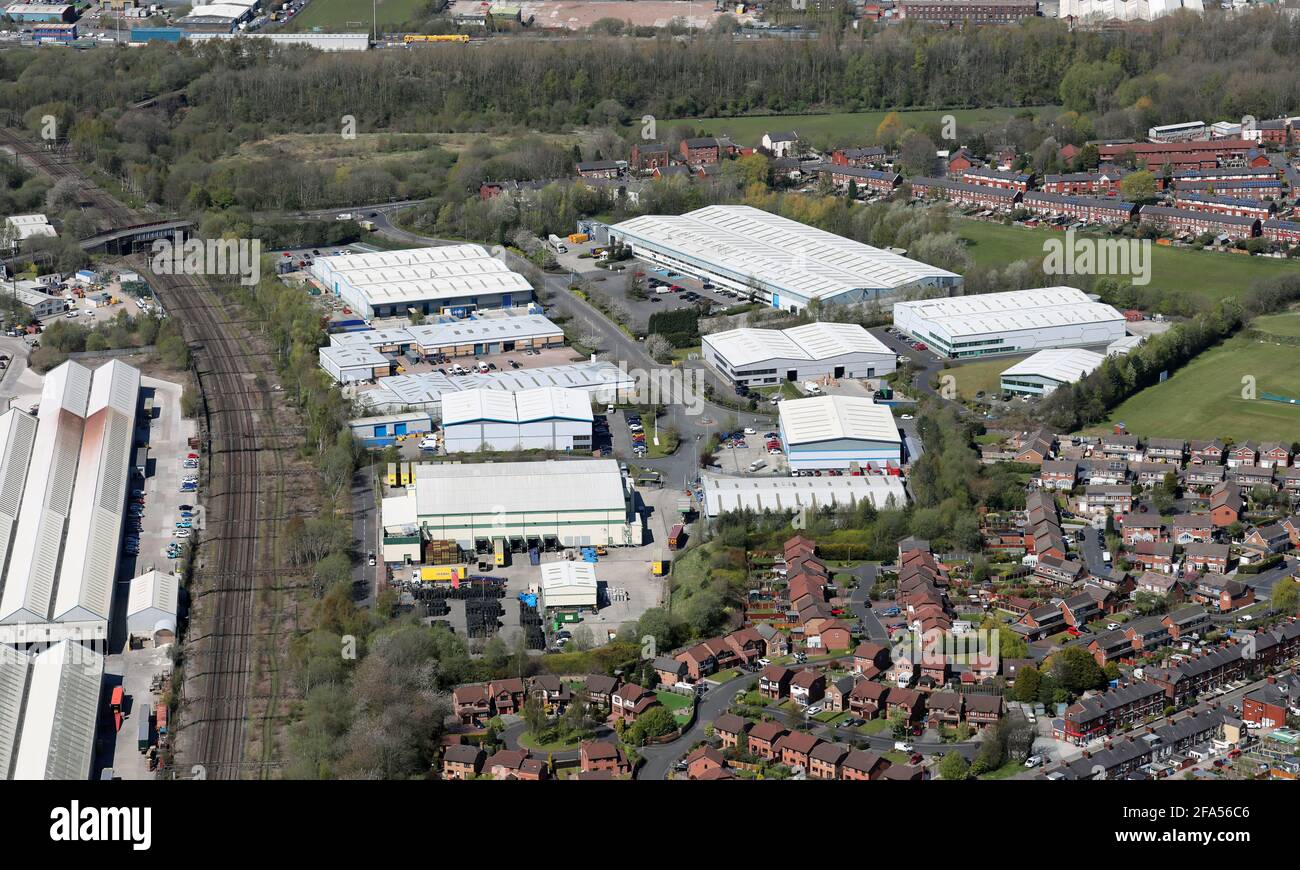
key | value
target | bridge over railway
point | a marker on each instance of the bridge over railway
(135, 238)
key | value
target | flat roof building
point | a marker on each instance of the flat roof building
(602, 381)
(781, 262)
(836, 431)
(1012, 322)
(1046, 370)
(758, 357)
(546, 418)
(347, 364)
(452, 279)
(782, 494)
(581, 501)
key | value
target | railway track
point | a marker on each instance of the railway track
(215, 722)
(57, 163)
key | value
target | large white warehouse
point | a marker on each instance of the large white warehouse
(1048, 369)
(836, 431)
(454, 279)
(1012, 322)
(780, 494)
(782, 262)
(601, 381)
(758, 357)
(548, 418)
(68, 482)
(49, 706)
(581, 501)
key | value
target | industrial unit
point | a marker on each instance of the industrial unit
(602, 381)
(68, 481)
(1012, 322)
(19, 228)
(453, 279)
(382, 431)
(758, 357)
(568, 586)
(350, 355)
(1046, 370)
(837, 431)
(49, 706)
(760, 494)
(778, 261)
(151, 608)
(547, 418)
(584, 501)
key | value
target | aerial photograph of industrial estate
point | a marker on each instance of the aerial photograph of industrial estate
(650, 390)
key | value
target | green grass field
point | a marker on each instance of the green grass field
(1204, 398)
(984, 375)
(343, 15)
(846, 127)
(1286, 324)
(1208, 276)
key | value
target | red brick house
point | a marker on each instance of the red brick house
(603, 755)
(462, 761)
(763, 737)
(630, 701)
(649, 156)
(808, 687)
(907, 701)
(794, 748)
(861, 765)
(867, 699)
(472, 704)
(700, 151)
(704, 760)
(774, 682)
(869, 655)
(517, 764)
(826, 761)
(507, 695)
(730, 729)
(983, 710)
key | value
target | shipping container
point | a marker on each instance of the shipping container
(578, 238)
(675, 536)
(534, 556)
(144, 741)
(392, 474)
(162, 719)
(115, 700)
(436, 573)
(500, 553)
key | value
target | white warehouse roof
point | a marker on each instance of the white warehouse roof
(419, 274)
(1064, 365)
(746, 243)
(558, 575)
(799, 493)
(814, 341)
(433, 387)
(830, 418)
(60, 713)
(494, 487)
(526, 406)
(985, 313)
(152, 604)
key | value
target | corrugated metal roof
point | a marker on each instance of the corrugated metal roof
(514, 487)
(828, 418)
(153, 589)
(1004, 312)
(14, 668)
(813, 341)
(394, 277)
(799, 493)
(1065, 365)
(58, 730)
(777, 252)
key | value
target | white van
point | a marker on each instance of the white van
(900, 746)
(757, 464)
(811, 388)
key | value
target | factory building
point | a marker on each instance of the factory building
(1012, 322)
(151, 608)
(568, 586)
(387, 429)
(602, 381)
(352, 355)
(547, 418)
(759, 357)
(1046, 370)
(49, 707)
(578, 502)
(779, 494)
(51, 12)
(453, 279)
(780, 262)
(19, 228)
(68, 481)
(836, 431)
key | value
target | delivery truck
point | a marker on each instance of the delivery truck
(442, 573)
(500, 552)
(676, 536)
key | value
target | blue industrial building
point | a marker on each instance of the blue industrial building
(383, 431)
